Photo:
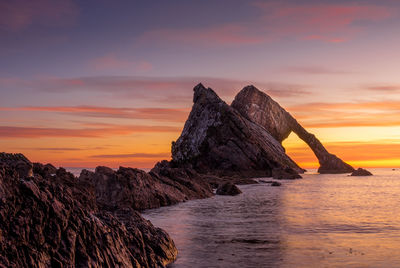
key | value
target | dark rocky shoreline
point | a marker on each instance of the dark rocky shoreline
(50, 218)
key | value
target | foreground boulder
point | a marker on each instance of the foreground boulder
(361, 172)
(218, 140)
(55, 221)
(261, 109)
(228, 189)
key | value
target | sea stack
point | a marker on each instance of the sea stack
(261, 109)
(217, 139)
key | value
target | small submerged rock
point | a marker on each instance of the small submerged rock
(275, 183)
(228, 189)
(285, 174)
(361, 172)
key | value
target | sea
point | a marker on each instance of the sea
(318, 221)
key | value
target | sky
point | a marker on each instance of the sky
(101, 82)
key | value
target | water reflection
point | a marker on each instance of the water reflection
(320, 221)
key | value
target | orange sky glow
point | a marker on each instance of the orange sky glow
(117, 93)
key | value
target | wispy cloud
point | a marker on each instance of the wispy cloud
(111, 62)
(277, 20)
(227, 35)
(160, 114)
(16, 15)
(166, 90)
(12, 132)
(314, 70)
(384, 88)
(357, 114)
(333, 23)
(61, 149)
(134, 155)
(352, 151)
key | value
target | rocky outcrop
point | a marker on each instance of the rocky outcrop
(134, 188)
(18, 162)
(44, 170)
(55, 221)
(228, 189)
(264, 111)
(361, 172)
(218, 140)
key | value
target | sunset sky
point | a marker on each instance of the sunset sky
(101, 82)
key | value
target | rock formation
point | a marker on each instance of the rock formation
(217, 139)
(136, 189)
(264, 111)
(228, 189)
(18, 162)
(361, 172)
(55, 221)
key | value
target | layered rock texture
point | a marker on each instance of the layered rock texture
(136, 189)
(261, 109)
(59, 221)
(217, 139)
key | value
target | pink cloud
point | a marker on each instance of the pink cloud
(18, 14)
(325, 39)
(313, 70)
(135, 155)
(346, 114)
(385, 88)
(111, 62)
(13, 132)
(161, 114)
(230, 34)
(172, 89)
(331, 23)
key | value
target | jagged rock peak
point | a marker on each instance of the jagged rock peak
(261, 109)
(201, 93)
(253, 91)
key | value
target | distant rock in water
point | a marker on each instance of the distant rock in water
(218, 140)
(285, 174)
(55, 221)
(361, 172)
(261, 109)
(275, 183)
(228, 189)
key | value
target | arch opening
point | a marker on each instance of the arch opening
(300, 152)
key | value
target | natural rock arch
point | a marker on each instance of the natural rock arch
(260, 108)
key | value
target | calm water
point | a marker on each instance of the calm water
(319, 221)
